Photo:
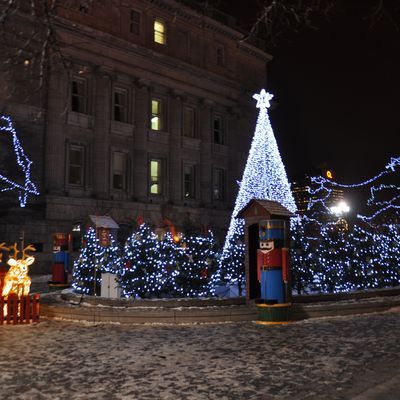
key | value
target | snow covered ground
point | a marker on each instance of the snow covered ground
(329, 358)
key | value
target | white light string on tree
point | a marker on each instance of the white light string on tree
(264, 177)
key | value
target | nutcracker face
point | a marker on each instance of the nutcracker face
(267, 245)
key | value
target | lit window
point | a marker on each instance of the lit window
(79, 95)
(155, 177)
(188, 122)
(159, 31)
(120, 105)
(135, 22)
(76, 165)
(189, 182)
(156, 115)
(218, 130)
(119, 170)
(218, 184)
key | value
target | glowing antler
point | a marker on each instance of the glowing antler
(3, 247)
(30, 248)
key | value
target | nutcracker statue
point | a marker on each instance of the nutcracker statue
(273, 261)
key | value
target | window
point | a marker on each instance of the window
(156, 177)
(159, 31)
(79, 95)
(182, 37)
(135, 22)
(84, 6)
(157, 115)
(76, 165)
(189, 187)
(119, 162)
(221, 55)
(120, 105)
(188, 122)
(218, 184)
(218, 130)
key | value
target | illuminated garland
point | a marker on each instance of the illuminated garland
(324, 185)
(265, 178)
(23, 162)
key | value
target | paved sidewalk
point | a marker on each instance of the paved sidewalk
(337, 358)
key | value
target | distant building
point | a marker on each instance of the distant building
(149, 115)
(301, 191)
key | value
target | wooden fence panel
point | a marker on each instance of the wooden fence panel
(14, 310)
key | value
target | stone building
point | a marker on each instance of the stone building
(147, 112)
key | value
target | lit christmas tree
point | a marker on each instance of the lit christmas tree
(170, 254)
(88, 265)
(110, 260)
(197, 267)
(142, 273)
(264, 178)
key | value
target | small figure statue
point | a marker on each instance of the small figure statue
(273, 262)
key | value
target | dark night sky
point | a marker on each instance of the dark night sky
(337, 96)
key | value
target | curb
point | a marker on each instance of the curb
(190, 311)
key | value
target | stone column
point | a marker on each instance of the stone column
(101, 129)
(58, 100)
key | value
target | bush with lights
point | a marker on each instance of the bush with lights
(143, 270)
(328, 258)
(197, 267)
(94, 260)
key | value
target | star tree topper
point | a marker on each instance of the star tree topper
(263, 99)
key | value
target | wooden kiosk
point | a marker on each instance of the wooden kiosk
(268, 282)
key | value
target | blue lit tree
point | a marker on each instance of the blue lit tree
(197, 266)
(88, 265)
(265, 178)
(170, 254)
(142, 273)
(110, 260)
(366, 256)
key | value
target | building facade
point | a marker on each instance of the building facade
(147, 114)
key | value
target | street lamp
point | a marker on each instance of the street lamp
(340, 209)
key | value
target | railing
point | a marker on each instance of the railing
(23, 310)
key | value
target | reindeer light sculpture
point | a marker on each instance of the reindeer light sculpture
(16, 280)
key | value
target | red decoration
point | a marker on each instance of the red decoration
(128, 264)
(204, 273)
(140, 220)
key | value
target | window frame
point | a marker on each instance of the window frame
(220, 132)
(82, 150)
(221, 186)
(193, 122)
(191, 182)
(160, 34)
(82, 99)
(125, 108)
(133, 23)
(159, 181)
(160, 114)
(221, 55)
(124, 171)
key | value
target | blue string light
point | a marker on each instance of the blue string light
(328, 258)
(23, 162)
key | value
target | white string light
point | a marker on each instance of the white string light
(23, 162)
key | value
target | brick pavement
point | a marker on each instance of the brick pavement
(330, 358)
